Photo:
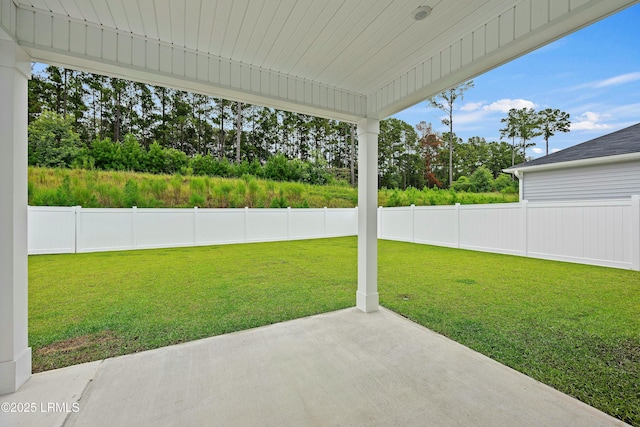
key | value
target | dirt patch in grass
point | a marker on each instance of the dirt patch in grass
(80, 349)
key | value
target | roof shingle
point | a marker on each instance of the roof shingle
(624, 141)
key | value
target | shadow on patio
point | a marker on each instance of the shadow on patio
(339, 368)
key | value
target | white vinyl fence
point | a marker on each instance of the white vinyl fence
(605, 233)
(54, 230)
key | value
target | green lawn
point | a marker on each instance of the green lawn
(574, 327)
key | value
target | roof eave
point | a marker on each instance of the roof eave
(576, 163)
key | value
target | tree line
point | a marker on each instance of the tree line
(79, 119)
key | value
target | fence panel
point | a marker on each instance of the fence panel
(586, 232)
(436, 225)
(491, 228)
(74, 229)
(216, 226)
(306, 223)
(603, 233)
(267, 225)
(164, 228)
(341, 222)
(396, 224)
(52, 230)
(104, 230)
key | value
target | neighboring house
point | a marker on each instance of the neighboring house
(603, 168)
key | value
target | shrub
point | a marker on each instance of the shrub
(175, 160)
(130, 155)
(482, 180)
(463, 184)
(504, 181)
(156, 159)
(52, 141)
(277, 168)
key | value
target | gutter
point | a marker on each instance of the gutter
(574, 163)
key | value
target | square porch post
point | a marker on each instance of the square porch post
(15, 354)
(367, 294)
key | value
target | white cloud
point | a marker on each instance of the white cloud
(618, 80)
(555, 150)
(504, 105)
(471, 106)
(469, 117)
(590, 121)
(611, 81)
(537, 150)
(626, 111)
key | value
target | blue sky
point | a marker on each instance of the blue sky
(592, 74)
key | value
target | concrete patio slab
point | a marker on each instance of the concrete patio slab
(345, 368)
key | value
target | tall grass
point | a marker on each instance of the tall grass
(108, 189)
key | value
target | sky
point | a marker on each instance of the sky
(592, 74)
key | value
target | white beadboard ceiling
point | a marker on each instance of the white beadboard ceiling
(341, 58)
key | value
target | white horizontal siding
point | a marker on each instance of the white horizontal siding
(610, 181)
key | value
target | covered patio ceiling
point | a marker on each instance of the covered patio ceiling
(352, 60)
(343, 59)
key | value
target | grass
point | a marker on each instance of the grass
(109, 189)
(574, 327)
(89, 306)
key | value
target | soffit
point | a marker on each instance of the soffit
(354, 58)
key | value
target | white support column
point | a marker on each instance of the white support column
(15, 354)
(367, 295)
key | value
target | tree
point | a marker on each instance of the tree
(510, 130)
(118, 87)
(443, 158)
(352, 155)
(445, 102)
(552, 121)
(500, 157)
(147, 117)
(524, 124)
(38, 97)
(52, 141)
(471, 155)
(223, 114)
(399, 162)
(238, 130)
(162, 131)
(430, 144)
